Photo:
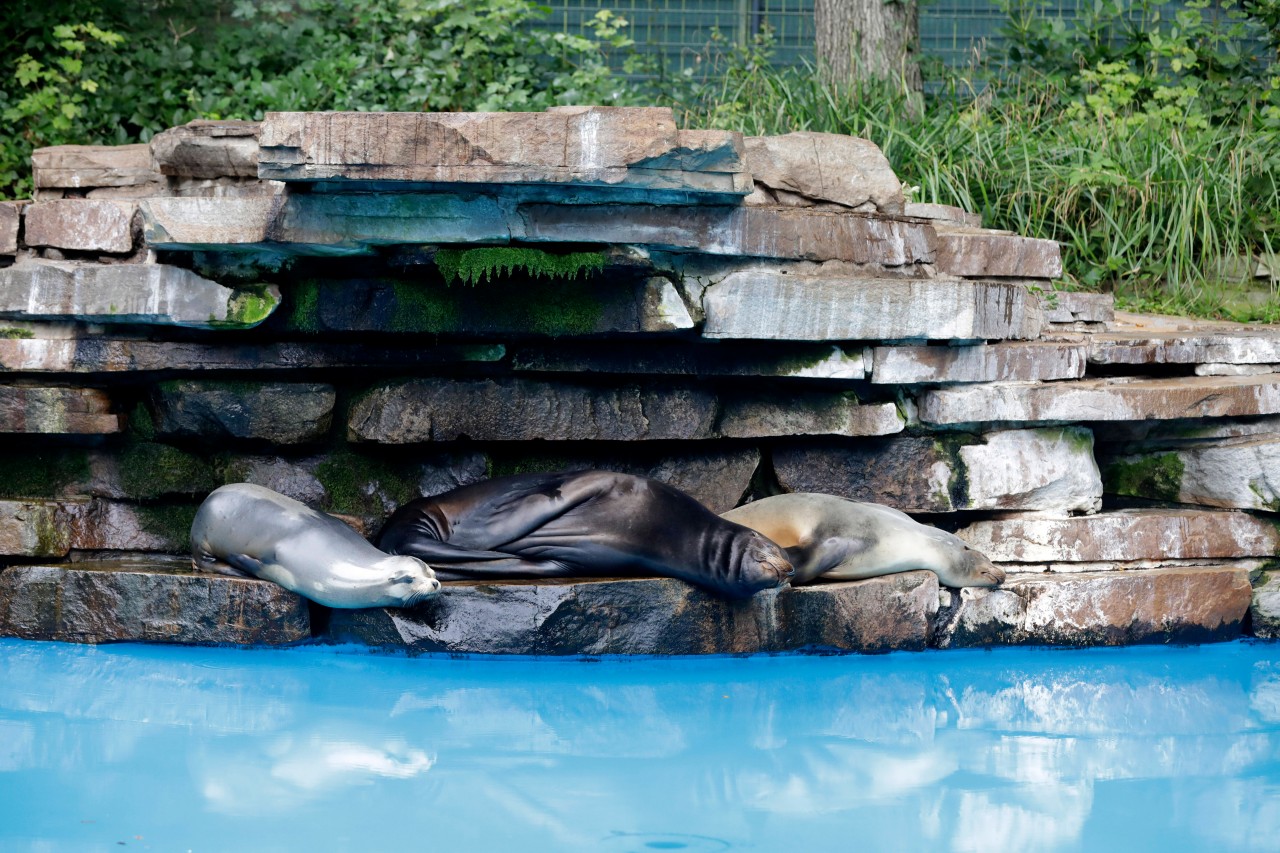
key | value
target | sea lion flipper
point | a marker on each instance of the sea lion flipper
(812, 559)
(242, 565)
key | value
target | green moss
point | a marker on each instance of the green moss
(250, 306)
(957, 493)
(422, 309)
(153, 470)
(142, 426)
(474, 265)
(1272, 504)
(540, 464)
(1079, 439)
(44, 474)
(1157, 477)
(572, 312)
(169, 522)
(52, 538)
(11, 332)
(361, 485)
(304, 307)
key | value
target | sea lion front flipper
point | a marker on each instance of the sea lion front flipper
(834, 556)
(244, 566)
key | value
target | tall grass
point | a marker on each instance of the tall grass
(1161, 212)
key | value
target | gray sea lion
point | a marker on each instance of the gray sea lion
(838, 539)
(583, 524)
(243, 529)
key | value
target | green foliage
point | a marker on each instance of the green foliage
(473, 265)
(241, 58)
(1149, 151)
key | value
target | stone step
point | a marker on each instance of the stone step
(80, 224)
(1128, 535)
(674, 358)
(1169, 605)
(652, 616)
(149, 294)
(273, 412)
(1238, 345)
(1103, 400)
(807, 168)
(638, 147)
(1242, 474)
(208, 149)
(85, 166)
(414, 411)
(1005, 362)
(1047, 470)
(981, 253)
(148, 601)
(56, 411)
(763, 305)
(100, 354)
(1063, 306)
(357, 224)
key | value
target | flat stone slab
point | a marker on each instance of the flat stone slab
(84, 166)
(1128, 535)
(762, 305)
(208, 149)
(151, 294)
(737, 231)
(101, 354)
(1169, 605)
(47, 528)
(147, 601)
(812, 413)
(944, 213)
(525, 410)
(979, 254)
(828, 167)
(589, 305)
(1264, 610)
(652, 616)
(357, 223)
(581, 146)
(1049, 470)
(1243, 474)
(1232, 345)
(1005, 362)
(10, 219)
(56, 411)
(410, 412)
(1104, 400)
(673, 358)
(80, 224)
(274, 412)
(1064, 306)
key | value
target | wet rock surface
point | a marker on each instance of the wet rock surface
(655, 616)
(119, 602)
(1100, 609)
(281, 413)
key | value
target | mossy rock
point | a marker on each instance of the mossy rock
(1157, 477)
(44, 474)
(147, 471)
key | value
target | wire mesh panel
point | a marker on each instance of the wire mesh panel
(677, 32)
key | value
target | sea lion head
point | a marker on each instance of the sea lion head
(967, 567)
(409, 580)
(761, 564)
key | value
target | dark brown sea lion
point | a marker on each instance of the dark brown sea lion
(583, 524)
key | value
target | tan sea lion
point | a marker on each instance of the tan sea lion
(839, 539)
(243, 529)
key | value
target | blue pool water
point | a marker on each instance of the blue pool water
(174, 749)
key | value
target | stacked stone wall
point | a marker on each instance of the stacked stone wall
(359, 309)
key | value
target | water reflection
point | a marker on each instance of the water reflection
(1014, 750)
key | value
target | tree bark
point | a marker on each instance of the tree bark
(867, 40)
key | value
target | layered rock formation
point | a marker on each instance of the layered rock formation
(359, 309)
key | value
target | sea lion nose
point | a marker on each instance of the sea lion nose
(996, 574)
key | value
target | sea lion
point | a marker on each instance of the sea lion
(243, 529)
(839, 539)
(583, 524)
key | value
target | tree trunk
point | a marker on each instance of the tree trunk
(867, 39)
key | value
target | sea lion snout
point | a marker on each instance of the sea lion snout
(764, 565)
(985, 572)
